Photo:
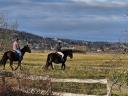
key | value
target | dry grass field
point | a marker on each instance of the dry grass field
(82, 66)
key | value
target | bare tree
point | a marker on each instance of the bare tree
(6, 30)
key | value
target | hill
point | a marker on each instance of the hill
(44, 43)
(37, 42)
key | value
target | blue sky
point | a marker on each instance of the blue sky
(92, 20)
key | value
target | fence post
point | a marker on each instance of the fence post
(108, 88)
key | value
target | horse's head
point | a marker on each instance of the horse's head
(27, 49)
(68, 53)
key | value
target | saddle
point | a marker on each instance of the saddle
(60, 53)
(17, 56)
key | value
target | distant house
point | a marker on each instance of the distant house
(99, 50)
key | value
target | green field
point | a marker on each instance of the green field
(82, 66)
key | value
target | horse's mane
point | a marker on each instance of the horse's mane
(67, 50)
(24, 47)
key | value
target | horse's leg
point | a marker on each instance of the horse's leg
(11, 63)
(3, 64)
(51, 65)
(63, 66)
(20, 67)
(46, 66)
(19, 64)
(4, 67)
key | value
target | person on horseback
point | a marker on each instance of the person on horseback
(59, 49)
(16, 47)
(58, 46)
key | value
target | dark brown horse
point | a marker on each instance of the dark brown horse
(11, 56)
(54, 57)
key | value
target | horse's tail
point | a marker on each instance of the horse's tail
(4, 59)
(47, 61)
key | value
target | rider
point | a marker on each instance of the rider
(16, 47)
(58, 49)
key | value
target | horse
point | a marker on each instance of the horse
(12, 56)
(55, 57)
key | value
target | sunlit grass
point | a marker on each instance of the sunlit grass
(81, 66)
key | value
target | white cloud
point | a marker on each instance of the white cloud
(80, 16)
(104, 3)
